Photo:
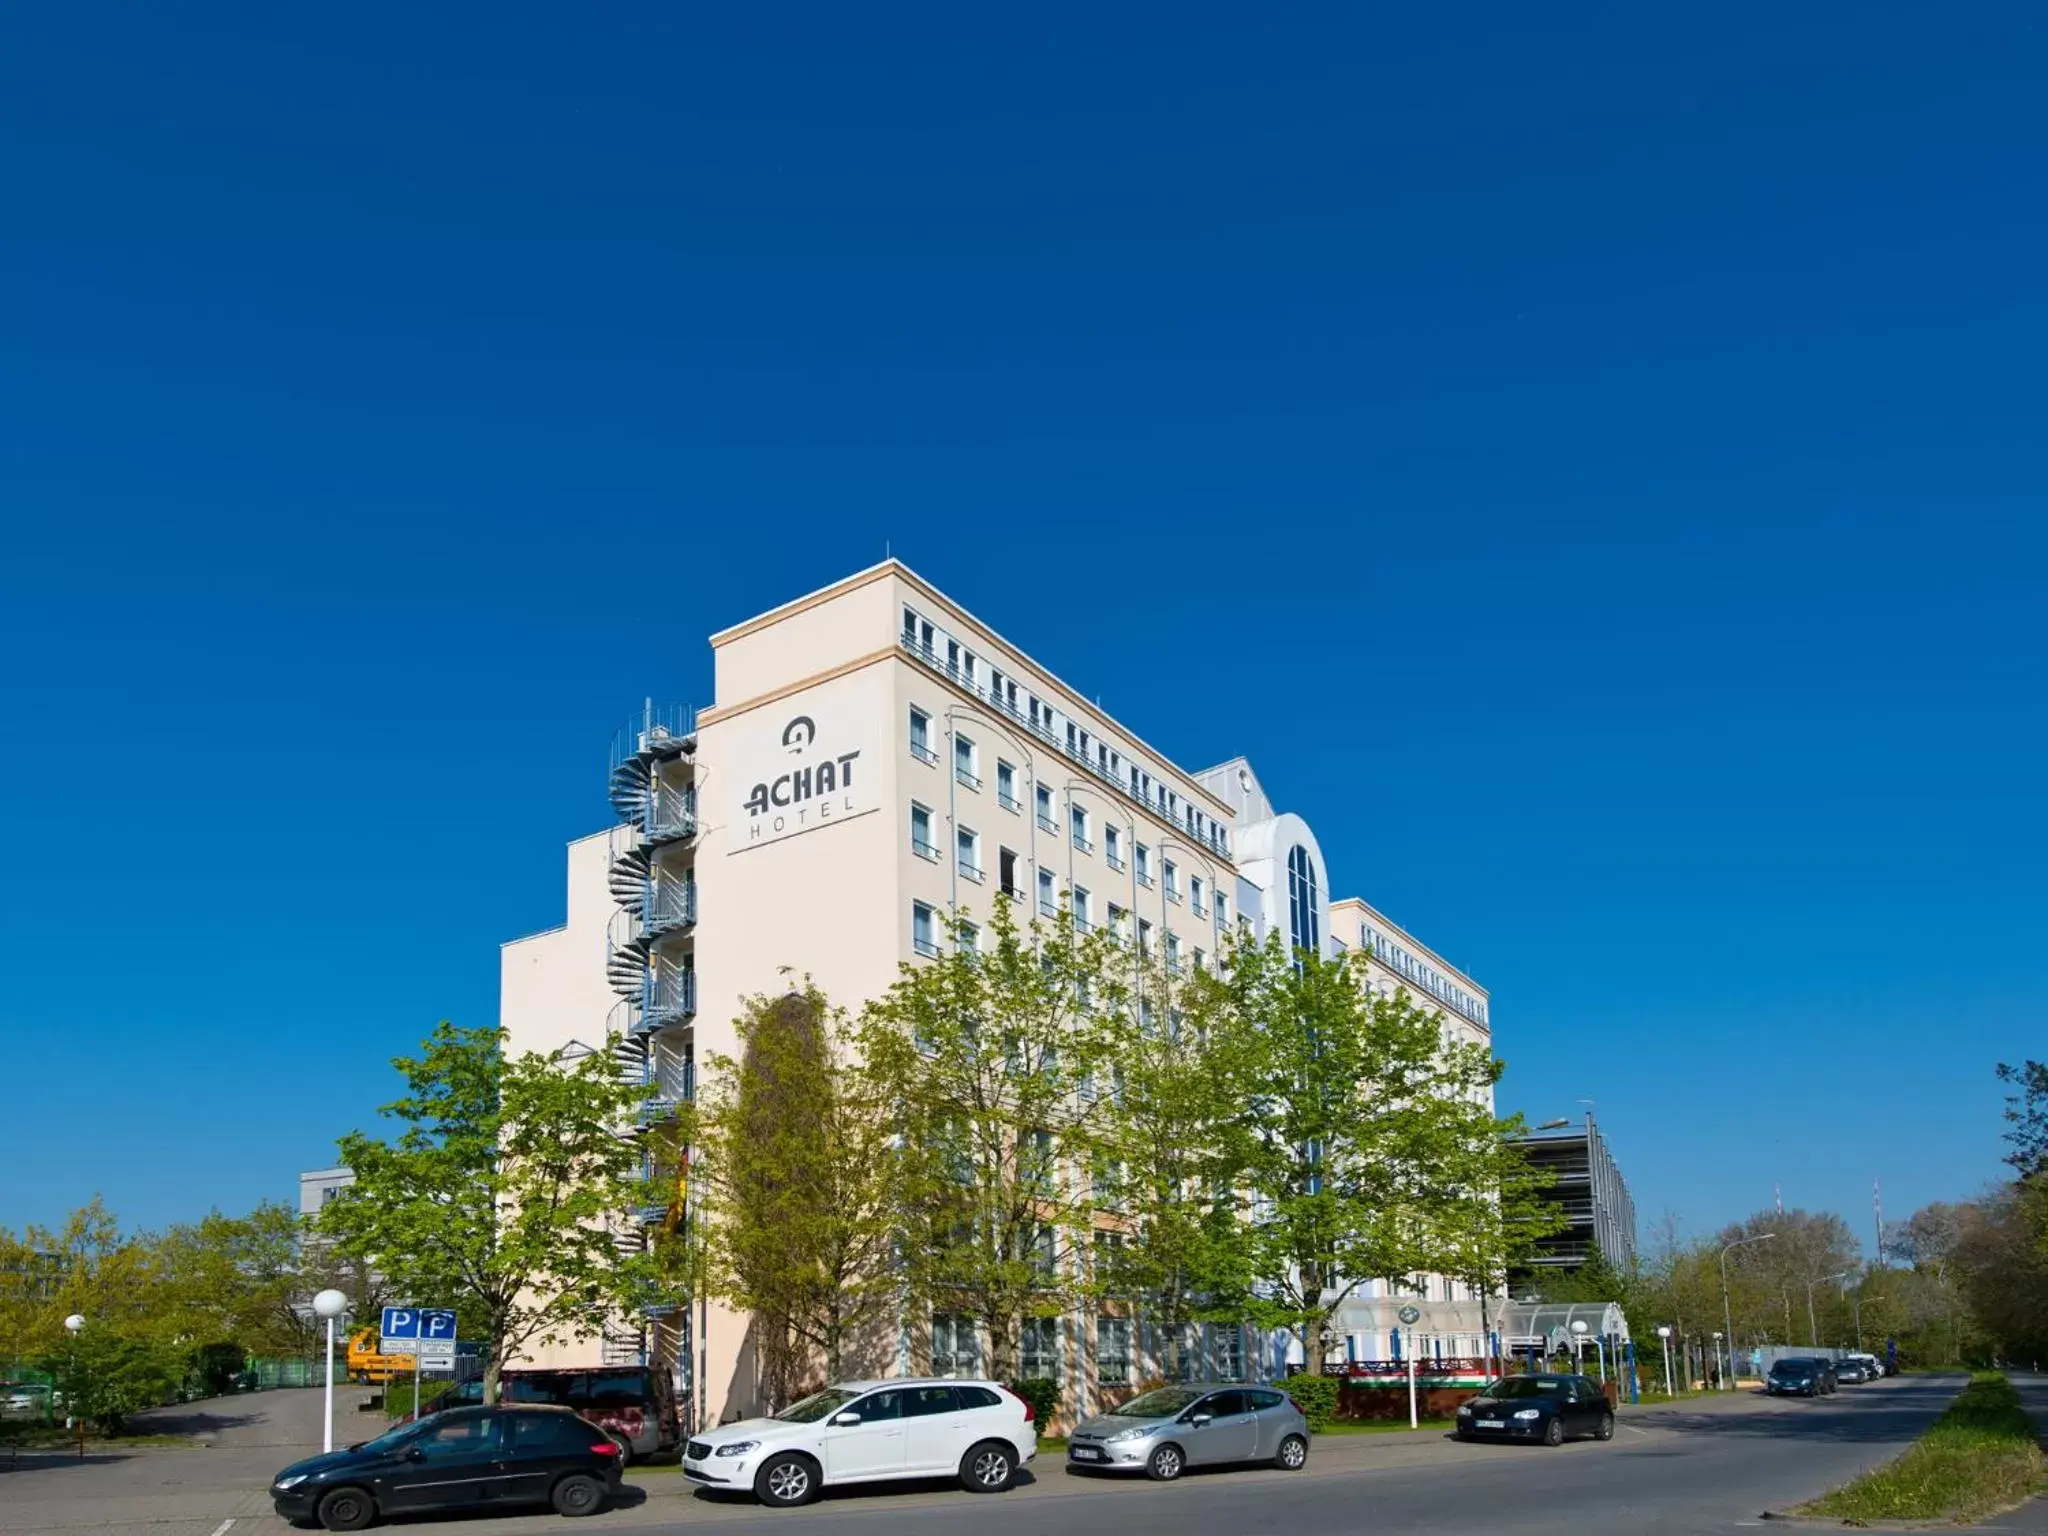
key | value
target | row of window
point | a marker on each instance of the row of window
(1395, 958)
(1199, 895)
(959, 663)
(956, 1349)
(927, 927)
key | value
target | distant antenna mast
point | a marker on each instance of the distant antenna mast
(1778, 1197)
(1877, 1213)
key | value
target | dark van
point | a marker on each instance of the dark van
(636, 1404)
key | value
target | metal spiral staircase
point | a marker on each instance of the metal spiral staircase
(657, 988)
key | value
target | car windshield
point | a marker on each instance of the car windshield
(391, 1439)
(1162, 1404)
(1792, 1368)
(819, 1405)
(1526, 1386)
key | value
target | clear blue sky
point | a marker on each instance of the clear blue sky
(1598, 458)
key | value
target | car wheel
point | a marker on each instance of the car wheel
(787, 1481)
(1553, 1432)
(577, 1495)
(347, 1509)
(1605, 1431)
(1293, 1454)
(1165, 1464)
(625, 1450)
(988, 1468)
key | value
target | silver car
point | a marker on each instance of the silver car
(1165, 1432)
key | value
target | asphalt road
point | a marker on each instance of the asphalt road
(1713, 1466)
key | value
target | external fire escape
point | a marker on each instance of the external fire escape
(651, 963)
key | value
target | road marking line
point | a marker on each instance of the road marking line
(221, 1529)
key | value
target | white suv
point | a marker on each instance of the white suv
(868, 1432)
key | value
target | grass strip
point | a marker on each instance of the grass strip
(1980, 1457)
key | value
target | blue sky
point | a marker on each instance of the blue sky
(1597, 460)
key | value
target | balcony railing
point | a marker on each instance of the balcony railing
(923, 753)
(1218, 843)
(970, 870)
(1007, 800)
(924, 850)
(926, 948)
(1047, 824)
(966, 777)
(1116, 863)
(1083, 844)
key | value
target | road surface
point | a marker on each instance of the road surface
(1711, 1466)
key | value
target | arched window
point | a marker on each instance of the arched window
(1303, 901)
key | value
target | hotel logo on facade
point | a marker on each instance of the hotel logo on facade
(800, 774)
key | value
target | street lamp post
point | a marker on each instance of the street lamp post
(1664, 1333)
(75, 1325)
(1578, 1338)
(1812, 1327)
(1856, 1306)
(330, 1305)
(1719, 1375)
(1727, 1308)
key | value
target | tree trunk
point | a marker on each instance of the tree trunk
(492, 1370)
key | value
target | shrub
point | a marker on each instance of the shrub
(1315, 1396)
(1042, 1393)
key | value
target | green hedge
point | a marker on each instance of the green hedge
(1042, 1393)
(1316, 1396)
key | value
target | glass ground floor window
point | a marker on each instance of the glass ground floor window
(1113, 1351)
(1226, 1351)
(955, 1349)
(1038, 1350)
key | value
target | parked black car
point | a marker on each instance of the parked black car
(1799, 1376)
(464, 1459)
(1549, 1409)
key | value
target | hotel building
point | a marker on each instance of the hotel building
(876, 758)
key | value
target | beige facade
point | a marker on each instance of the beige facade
(874, 759)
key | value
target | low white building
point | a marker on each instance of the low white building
(875, 758)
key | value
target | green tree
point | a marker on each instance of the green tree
(1169, 1120)
(104, 1376)
(797, 1169)
(499, 1193)
(993, 1055)
(1364, 1118)
(239, 1277)
(2026, 1111)
(1492, 1209)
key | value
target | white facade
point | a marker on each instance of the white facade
(874, 759)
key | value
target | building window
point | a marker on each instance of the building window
(1119, 924)
(923, 930)
(1201, 960)
(969, 849)
(1304, 901)
(1195, 896)
(1113, 847)
(1226, 1352)
(1038, 1348)
(1113, 1351)
(1145, 938)
(1144, 858)
(970, 939)
(1048, 897)
(921, 842)
(1081, 909)
(1222, 910)
(1106, 1183)
(1171, 874)
(1041, 1256)
(1006, 871)
(1173, 954)
(964, 762)
(1077, 819)
(955, 1349)
(1006, 786)
(921, 737)
(1045, 810)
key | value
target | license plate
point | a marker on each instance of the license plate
(1493, 1424)
(1085, 1453)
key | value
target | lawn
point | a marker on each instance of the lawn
(1980, 1457)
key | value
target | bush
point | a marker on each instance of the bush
(1042, 1393)
(1315, 1396)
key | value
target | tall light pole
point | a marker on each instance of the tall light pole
(1579, 1331)
(1812, 1327)
(75, 1325)
(330, 1305)
(1856, 1305)
(1727, 1309)
(1664, 1333)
